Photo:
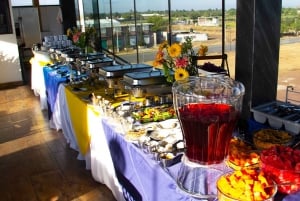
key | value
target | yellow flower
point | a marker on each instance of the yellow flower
(181, 74)
(159, 58)
(163, 45)
(174, 50)
(69, 32)
(202, 50)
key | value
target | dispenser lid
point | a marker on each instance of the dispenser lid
(153, 77)
(120, 70)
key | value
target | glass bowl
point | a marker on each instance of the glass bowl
(245, 185)
(242, 155)
(266, 138)
(282, 164)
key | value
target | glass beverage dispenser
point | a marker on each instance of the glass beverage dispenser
(208, 109)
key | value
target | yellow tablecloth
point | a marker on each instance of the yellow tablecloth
(79, 113)
(82, 114)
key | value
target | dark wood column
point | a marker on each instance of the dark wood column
(257, 50)
(68, 14)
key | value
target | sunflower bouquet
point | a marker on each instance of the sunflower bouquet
(176, 59)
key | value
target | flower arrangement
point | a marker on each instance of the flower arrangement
(81, 39)
(176, 59)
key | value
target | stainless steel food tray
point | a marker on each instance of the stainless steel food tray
(120, 70)
(153, 77)
(97, 63)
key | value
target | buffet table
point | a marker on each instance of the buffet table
(141, 177)
(121, 165)
(83, 131)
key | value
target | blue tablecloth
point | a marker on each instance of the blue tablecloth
(53, 78)
(141, 177)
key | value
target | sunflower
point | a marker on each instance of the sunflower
(174, 50)
(181, 74)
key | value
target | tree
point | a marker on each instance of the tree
(159, 23)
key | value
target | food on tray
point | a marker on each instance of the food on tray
(266, 138)
(242, 154)
(150, 114)
(135, 134)
(282, 164)
(166, 156)
(245, 184)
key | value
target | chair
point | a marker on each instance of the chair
(222, 57)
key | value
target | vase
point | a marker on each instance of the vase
(208, 109)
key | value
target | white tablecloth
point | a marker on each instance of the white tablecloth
(98, 159)
(38, 83)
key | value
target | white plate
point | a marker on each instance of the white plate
(168, 124)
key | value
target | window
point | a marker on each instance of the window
(5, 19)
(131, 28)
(30, 2)
(145, 27)
(21, 2)
(48, 2)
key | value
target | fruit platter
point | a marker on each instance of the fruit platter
(242, 154)
(271, 152)
(245, 184)
(282, 164)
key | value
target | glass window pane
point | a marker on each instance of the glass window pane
(152, 23)
(123, 40)
(105, 23)
(5, 18)
(289, 67)
(49, 2)
(21, 2)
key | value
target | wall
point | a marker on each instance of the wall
(35, 23)
(10, 69)
(49, 21)
(28, 20)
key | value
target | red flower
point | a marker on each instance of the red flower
(182, 62)
(76, 37)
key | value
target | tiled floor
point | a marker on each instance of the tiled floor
(36, 164)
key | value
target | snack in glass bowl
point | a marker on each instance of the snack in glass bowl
(282, 164)
(245, 185)
(266, 138)
(242, 155)
(135, 134)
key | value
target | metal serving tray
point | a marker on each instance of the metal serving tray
(153, 77)
(120, 70)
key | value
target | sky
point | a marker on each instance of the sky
(144, 5)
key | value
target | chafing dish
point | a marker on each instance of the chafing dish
(147, 83)
(120, 70)
(100, 62)
(91, 57)
(145, 78)
(113, 74)
(69, 52)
